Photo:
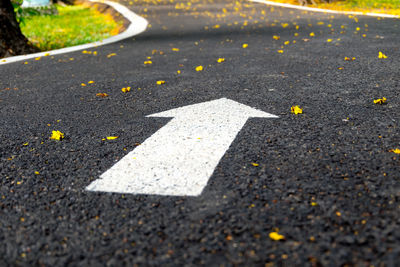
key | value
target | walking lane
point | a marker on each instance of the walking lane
(325, 178)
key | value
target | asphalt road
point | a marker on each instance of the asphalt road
(326, 179)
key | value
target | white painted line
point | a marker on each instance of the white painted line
(137, 25)
(325, 10)
(179, 159)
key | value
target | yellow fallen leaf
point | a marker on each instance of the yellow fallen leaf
(296, 110)
(329, 40)
(280, 51)
(57, 135)
(381, 55)
(312, 34)
(111, 55)
(199, 68)
(380, 101)
(160, 82)
(255, 164)
(275, 236)
(90, 82)
(111, 137)
(276, 37)
(220, 60)
(83, 84)
(245, 45)
(286, 43)
(148, 62)
(175, 49)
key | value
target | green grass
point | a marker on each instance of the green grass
(395, 4)
(377, 6)
(74, 25)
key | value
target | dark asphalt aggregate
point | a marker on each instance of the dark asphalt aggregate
(326, 179)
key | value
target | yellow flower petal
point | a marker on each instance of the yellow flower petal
(381, 55)
(275, 236)
(296, 110)
(101, 94)
(56, 135)
(349, 59)
(199, 68)
(396, 151)
(126, 89)
(380, 101)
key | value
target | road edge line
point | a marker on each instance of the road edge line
(137, 25)
(314, 9)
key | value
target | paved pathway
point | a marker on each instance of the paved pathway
(325, 179)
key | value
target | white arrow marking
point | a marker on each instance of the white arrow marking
(179, 158)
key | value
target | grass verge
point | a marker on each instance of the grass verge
(366, 6)
(73, 25)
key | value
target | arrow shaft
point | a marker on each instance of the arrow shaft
(176, 160)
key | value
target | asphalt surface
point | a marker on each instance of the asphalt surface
(326, 179)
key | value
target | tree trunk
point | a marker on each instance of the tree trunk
(12, 41)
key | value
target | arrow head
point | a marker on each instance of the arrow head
(218, 107)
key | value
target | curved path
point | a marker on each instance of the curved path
(324, 179)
